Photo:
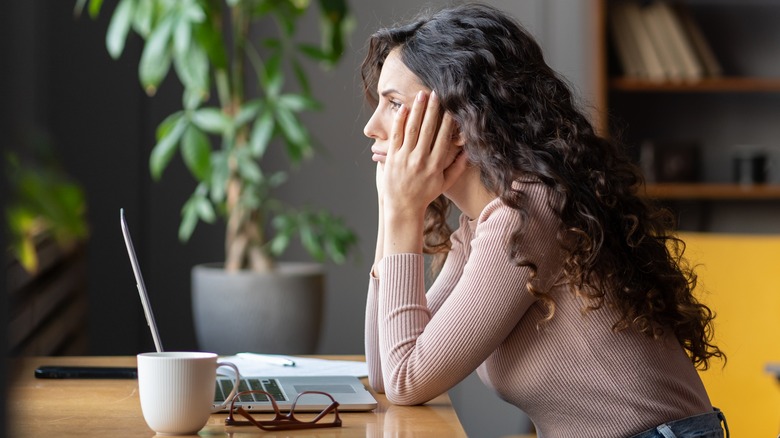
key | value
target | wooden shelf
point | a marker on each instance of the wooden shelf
(709, 85)
(704, 191)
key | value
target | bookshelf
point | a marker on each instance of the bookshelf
(734, 104)
(709, 85)
(713, 191)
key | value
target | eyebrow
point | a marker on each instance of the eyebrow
(389, 91)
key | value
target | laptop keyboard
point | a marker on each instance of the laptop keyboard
(270, 386)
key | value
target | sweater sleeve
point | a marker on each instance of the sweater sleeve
(372, 338)
(438, 293)
(422, 354)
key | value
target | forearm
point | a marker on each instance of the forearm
(403, 231)
(379, 252)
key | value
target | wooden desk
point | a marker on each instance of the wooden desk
(111, 408)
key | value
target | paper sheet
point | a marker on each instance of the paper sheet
(256, 365)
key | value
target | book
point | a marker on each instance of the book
(702, 48)
(625, 45)
(653, 67)
(661, 36)
(679, 42)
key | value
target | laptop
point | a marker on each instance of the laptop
(348, 391)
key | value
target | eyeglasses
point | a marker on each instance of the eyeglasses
(288, 421)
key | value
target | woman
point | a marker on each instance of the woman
(562, 287)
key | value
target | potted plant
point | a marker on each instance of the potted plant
(235, 104)
(46, 208)
(47, 238)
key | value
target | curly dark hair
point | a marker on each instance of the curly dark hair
(519, 120)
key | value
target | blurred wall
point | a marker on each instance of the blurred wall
(63, 83)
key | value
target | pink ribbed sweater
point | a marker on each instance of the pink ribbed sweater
(574, 376)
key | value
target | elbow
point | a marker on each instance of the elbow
(406, 397)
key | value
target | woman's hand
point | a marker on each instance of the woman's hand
(423, 158)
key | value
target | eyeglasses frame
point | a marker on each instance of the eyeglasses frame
(283, 421)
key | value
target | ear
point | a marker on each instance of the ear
(458, 139)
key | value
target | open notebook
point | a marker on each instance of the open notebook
(347, 390)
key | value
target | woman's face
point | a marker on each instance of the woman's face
(397, 85)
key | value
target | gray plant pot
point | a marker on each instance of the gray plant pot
(277, 312)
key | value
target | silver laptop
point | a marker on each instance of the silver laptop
(349, 391)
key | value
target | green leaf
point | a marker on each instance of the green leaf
(248, 112)
(182, 35)
(297, 102)
(144, 17)
(94, 8)
(211, 120)
(219, 176)
(119, 27)
(191, 98)
(263, 7)
(205, 210)
(300, 5)
(193, 11)
(211, 40)
(310, 241)
(192, 68)
(189, 218)
(338, 239)
(277, 179)
(334, 24)
(286, 18)
(156, 57)
(28, 257)
(279, 243)
(284, 226)
(273, 43)
(250, 171)
(314, 52)
(196, 152)
(167, 125)
(298, 145)
(300, 74)
(262, 132)
(273, 76)
(166, 147)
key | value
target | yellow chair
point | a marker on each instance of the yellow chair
(739, 279)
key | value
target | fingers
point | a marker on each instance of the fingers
(417, 126)
(397, 130)
(424, 133)
(430, 120)
(413, 121)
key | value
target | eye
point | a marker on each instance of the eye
(394, 104)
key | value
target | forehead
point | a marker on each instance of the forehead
(396, 75)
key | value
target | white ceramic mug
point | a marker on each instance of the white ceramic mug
(177, 390)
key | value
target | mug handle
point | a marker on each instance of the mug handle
(236, 382)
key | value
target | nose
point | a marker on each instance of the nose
(373, 128)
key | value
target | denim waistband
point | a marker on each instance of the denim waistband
(694, 425)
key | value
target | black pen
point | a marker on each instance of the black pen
(85, 372)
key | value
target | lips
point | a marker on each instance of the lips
(379, 155)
